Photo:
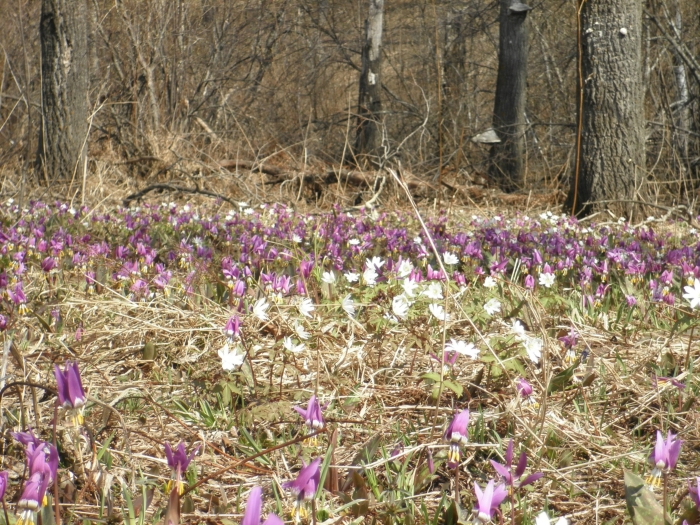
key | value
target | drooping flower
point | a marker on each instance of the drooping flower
(487, 501)
(524, 388)
(694, 491)
(457, 435)
(71, 395)
(348, 305)
(313, 416)
(233, 327)
(663, 458)
(304, 487)
(178, 461)
(301, 332)
(253, 510)
(570, 339)
(512, 477)
(3, 483)
(31, 499)
(289, 345)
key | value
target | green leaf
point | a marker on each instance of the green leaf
(432, 377)
(456, 388)
(559, 381)
(641, 502)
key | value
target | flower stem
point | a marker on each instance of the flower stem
(665, 498)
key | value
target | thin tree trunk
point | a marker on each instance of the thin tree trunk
(508, 157)
(64, 88)
(369, 131)
(611, 161)
(681, 108)
(454, 75)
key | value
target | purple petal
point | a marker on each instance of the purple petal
(522, 463)
(272, 519)
(61, 386)
(531, 479)
(499, 494)
(509, 453)
(253, 507)
(673, 453)
(169, 455)
(501, 469)
(431, 463)
(3, 483)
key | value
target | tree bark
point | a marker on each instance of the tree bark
(611, 161)
(508, 157)
(64, 88)
(369, 130)
(681, 106)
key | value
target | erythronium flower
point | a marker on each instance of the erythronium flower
(31, 499)
(487, 501)
(462, 348)
(692, 294)
(253, 509)
(306, 306)
(694, 491)
(512, 477)
(448, 359)
(260, 309)
(570, 339)
(71, 395)
(529, 282)
(313, 415)
(524, 388)
(348, 305)
(3, 483)
(233, 327)
(543, 519)
(492, 306)
(304, 487)
(457, 435)
(231, 359)
(663, 458)
(178, 461)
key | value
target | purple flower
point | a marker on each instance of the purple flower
(48, 264)
(570, 339)
(512, 477)
(672, 380)
(631, 301)
(70, 389)
(457, 435)
(233, 327)
(3, 483)
(663, 458)
(31, 499)
(3, 323)
(488, 500)
(312, 415)
(253, 509)
(305, 486)
(694, 491)
(524, 388)
(529, 282)
(178, 462)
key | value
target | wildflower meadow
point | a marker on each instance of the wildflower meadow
(178, 363)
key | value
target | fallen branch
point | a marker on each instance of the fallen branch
(136, 196)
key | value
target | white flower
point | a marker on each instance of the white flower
(328, 277)
(409, 287)
(348, 305)
(546, 279)
(303, 334)
(230, 359)
(450, 258)
(489, 282)
(400, 306)
(405, 268)
(370, 276)
(492, 306)
(354, 242)
(306, 306)
(289, 345)
(434, 291)
(462, 348)
(692, 294)
(543, 519)
(375, 262)
(260, 309)
(352, 277)
(533, 347)
(438, 311)
(519, 329)
(296, 238)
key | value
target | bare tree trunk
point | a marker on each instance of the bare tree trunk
(454, 76)
(369, 132)
(64, 88)
(681, 104)
(508, 157)
(611, 159)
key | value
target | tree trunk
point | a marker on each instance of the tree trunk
(611, 161)
(64, 88)
(454, 77)
(369, 129)
(681, 107)
(508, 157)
